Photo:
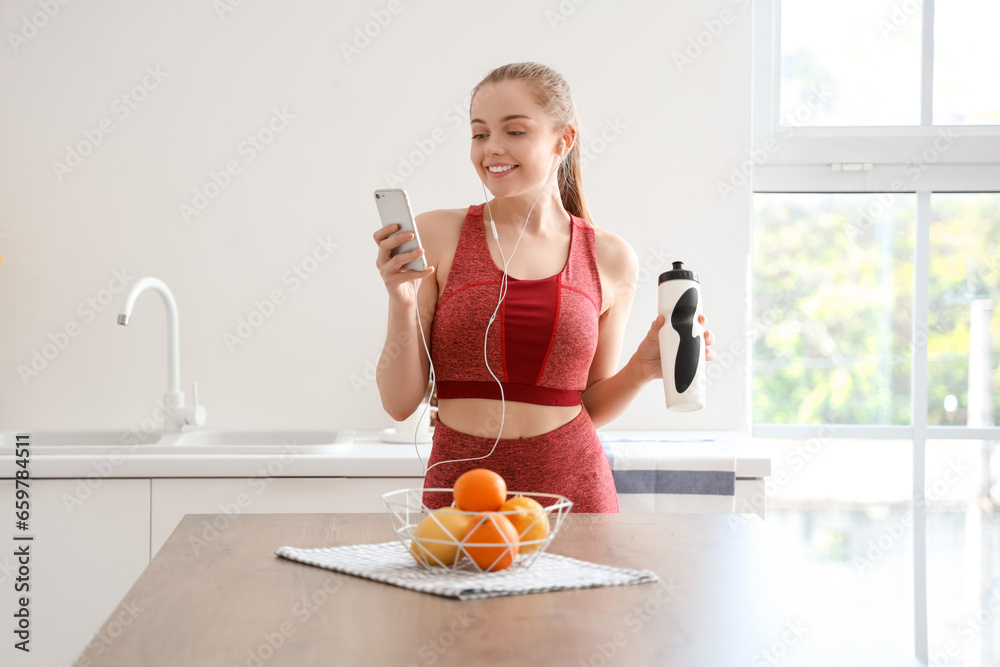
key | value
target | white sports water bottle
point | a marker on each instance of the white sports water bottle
(682, 340)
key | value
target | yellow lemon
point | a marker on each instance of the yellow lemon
(437, 537)
(529, 521)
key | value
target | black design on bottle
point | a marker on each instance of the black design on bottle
(689, 348)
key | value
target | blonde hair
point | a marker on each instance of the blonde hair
(552, 94)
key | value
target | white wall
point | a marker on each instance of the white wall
(63, 236)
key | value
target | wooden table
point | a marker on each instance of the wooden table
(221, 597)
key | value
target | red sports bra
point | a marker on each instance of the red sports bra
(543, 341)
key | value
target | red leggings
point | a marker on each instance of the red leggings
(569, 461)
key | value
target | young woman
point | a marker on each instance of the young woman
(557, 334)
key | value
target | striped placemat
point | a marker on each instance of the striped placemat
(390, 563)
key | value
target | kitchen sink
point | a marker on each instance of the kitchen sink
(256, 438)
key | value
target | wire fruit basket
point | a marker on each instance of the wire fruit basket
(435, 537)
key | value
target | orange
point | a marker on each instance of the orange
(436, 540)
(480, 490)
(491, 529)
(529, 521)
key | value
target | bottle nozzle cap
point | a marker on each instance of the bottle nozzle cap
(678, 273)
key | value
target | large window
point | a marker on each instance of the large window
(876, 307)
(837, 283)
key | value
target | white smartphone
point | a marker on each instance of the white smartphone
(394, 209)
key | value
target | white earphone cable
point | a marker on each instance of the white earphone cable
(503, 293)
(433, 378)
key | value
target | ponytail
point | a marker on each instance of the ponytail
(570, 183)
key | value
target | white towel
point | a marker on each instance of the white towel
(655, 472)
(390, 563)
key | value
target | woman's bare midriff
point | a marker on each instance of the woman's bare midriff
(481, 417)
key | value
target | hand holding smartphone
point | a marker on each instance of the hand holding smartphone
(394, 209)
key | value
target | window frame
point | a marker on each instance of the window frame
(798, 158)
(904, 159)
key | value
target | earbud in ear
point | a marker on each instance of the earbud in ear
(562, 147)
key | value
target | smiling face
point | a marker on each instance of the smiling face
(514, 143)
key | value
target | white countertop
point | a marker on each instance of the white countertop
(364, 456)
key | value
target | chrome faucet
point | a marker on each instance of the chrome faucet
(177, 415)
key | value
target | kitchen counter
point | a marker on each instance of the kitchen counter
(130, 499)
(726, 596)
(361, 455)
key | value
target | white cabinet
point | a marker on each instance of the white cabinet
(173, 498)
(94, 537)
(91, 543)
